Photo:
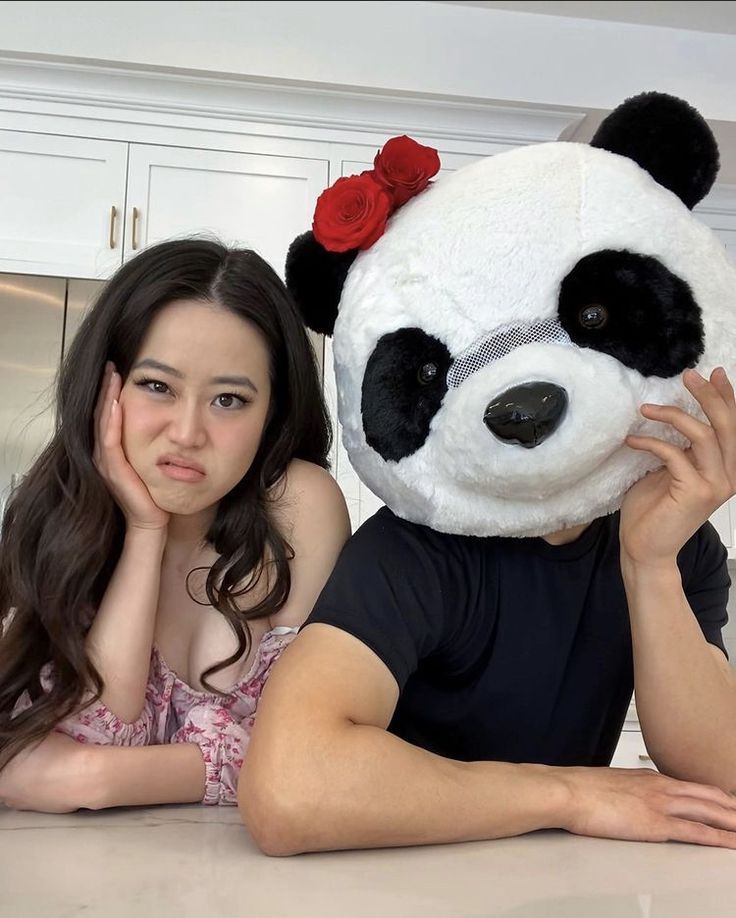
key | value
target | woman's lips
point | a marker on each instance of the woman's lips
(181, 469)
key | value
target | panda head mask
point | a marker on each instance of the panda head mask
(493, 347)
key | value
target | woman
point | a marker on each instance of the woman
(167, 544)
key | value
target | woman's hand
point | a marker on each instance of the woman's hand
(666, 507)
(130, 493)
(53, 776)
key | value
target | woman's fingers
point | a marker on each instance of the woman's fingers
(102, 410)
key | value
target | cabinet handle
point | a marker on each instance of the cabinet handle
(113, 217)
(134, 240)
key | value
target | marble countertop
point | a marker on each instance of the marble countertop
(199, 861)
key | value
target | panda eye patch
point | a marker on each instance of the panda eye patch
(404, 384)
(633, 308)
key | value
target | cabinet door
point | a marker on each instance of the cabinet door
(58, 195)
(631, 752)
(261, 202)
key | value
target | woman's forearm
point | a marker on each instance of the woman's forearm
(120, 639)
(144, 775)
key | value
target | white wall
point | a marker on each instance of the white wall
(401, 46)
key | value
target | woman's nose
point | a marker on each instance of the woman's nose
(187, 428)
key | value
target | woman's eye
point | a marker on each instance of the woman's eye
(154, 385)
(229, 400)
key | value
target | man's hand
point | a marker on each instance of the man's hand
(665, 508)
(641, 805)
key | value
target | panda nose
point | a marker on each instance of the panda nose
(526, 415)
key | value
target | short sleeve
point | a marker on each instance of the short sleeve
(706, 582)
(386, 590)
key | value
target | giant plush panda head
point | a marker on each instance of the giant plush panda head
(493, 347)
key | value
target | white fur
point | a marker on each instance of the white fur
(488, 246)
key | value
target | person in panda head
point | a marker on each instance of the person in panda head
(530, 364)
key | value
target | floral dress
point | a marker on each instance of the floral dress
(174, 712)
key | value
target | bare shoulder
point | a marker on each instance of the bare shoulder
(309, 502)
(311, 512)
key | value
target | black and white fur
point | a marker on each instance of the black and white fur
(583, 272)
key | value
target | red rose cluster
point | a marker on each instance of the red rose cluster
(352, 213)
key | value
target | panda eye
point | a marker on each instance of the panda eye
(427, 373)
(593, 316)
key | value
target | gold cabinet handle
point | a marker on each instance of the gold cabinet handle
(134, 240)
(113, 217)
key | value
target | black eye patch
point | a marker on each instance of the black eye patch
(635, 309)
(403, 387)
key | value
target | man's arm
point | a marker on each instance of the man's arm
(322, 773)
(685, 689)
(686, 694)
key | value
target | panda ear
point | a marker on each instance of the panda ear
(668, 138)
(315, 279)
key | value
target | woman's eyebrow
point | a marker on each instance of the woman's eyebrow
(150, 363)
(244, 381)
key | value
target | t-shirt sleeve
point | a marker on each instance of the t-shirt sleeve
(385, 590)
(706, 582)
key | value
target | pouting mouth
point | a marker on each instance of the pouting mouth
(181, 463)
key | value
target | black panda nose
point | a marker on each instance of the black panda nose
(526, 414)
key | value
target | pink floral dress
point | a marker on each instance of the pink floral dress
(174, 712)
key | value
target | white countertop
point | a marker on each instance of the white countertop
(200, 861)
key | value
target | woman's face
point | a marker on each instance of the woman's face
(195, 404)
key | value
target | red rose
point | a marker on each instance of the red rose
(351, 214)
(405, 167)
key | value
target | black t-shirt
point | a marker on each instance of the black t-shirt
(506, 649)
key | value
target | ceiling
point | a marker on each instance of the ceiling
(702, 16)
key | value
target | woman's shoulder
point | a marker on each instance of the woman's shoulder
(305, 482)
(308, 498)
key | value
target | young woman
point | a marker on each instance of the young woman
(167, 544)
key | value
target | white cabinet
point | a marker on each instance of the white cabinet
(74, 207)
(62, 204)
(631, 752)
(261, 202)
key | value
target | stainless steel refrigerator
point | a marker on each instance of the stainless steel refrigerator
(40, 316)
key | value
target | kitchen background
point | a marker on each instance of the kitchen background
(230, 118)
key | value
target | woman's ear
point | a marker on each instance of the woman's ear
(668, 138)
(315, 279)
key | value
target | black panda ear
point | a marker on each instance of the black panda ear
(315, 278)
(668, 138)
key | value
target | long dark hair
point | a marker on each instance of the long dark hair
(62, 532)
